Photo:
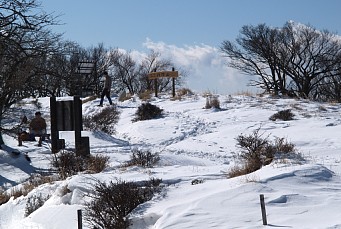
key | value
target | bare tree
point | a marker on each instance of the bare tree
(256, 53)
(294, 59)
(313, 57)
(24, 38)
(154, 62)
(124, 71)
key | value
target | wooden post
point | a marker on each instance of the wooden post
(79, 217)
(262, 205)
(155, 85)
(173, 80)
(1, 140)
(19, 140)
(54, 129)
(77, 115)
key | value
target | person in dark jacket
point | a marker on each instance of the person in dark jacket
(38, 125)
(106, 89)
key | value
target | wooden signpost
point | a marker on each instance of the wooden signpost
(167, 74)
(164, 74)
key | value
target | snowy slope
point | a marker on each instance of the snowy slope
(195, 143)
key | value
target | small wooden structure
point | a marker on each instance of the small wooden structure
(66, 115)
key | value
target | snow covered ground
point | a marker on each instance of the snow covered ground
(194, 143)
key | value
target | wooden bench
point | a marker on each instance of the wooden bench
(41, 137)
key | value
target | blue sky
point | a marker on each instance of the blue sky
(184, 25)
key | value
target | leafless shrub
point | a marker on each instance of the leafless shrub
(143, 158)
(114, 201)
(281, 145)
(97, 163)
(35, 202)
(68, 164)
(212, 102)
(258, 151)
(197, 181)
(104, 121)
(284, 115)
(147, 111)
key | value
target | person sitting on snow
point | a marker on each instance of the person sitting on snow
(38, 126)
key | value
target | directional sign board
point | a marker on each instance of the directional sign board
(170, 74)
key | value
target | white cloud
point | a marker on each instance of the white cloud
(206, 68)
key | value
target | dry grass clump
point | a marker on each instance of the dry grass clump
(212, 102)
(146, 95)
(25, 188)
(88, 99)
(184, 91)
(124, 96)
(247, 93)
(4, 197)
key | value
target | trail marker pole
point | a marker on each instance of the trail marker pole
(262, 206)
(79, 216)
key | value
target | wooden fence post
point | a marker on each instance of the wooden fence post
(79, 216)
(173, 84)
(262, 205)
